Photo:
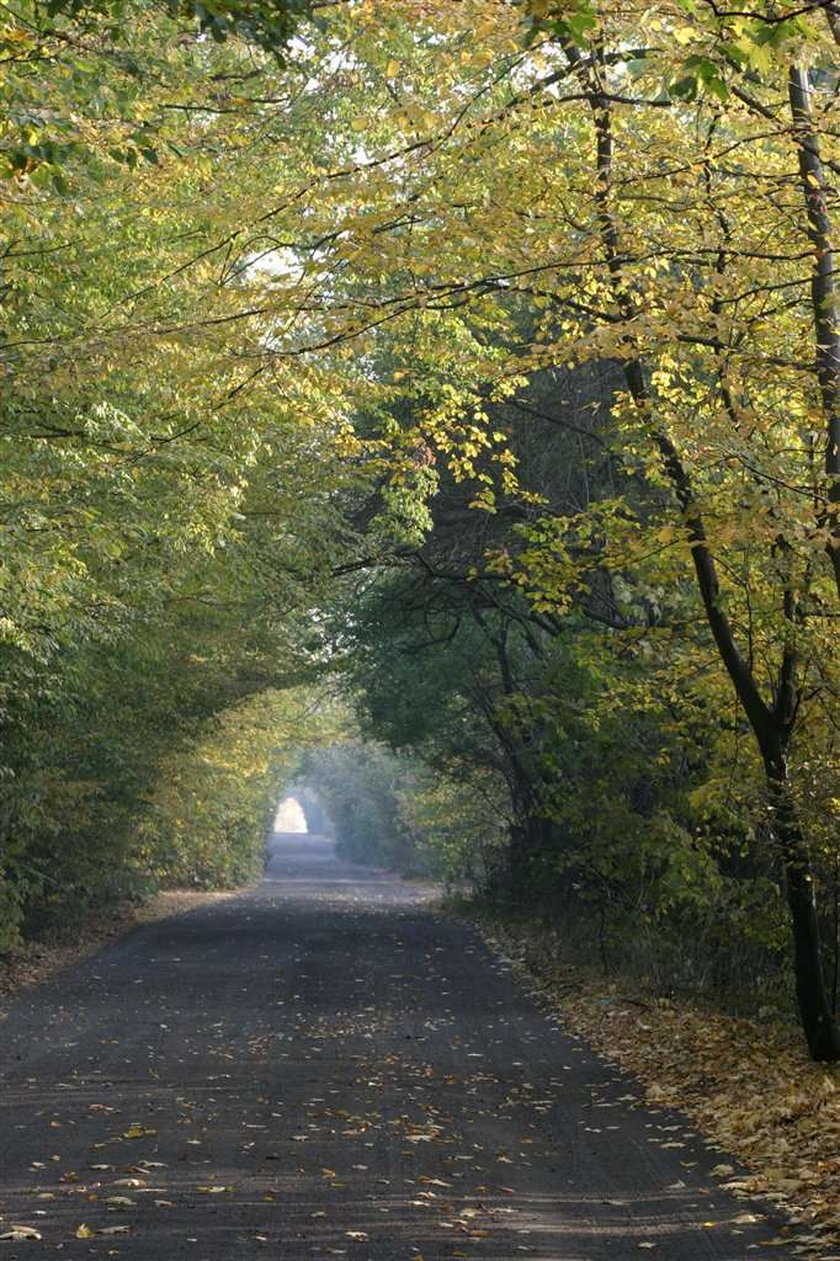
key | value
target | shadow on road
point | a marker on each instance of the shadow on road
(326, 1067)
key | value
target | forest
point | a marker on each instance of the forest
(437, 407)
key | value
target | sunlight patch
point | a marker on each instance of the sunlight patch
(290, 816)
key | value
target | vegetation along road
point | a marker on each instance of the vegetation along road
(327, 1067)
(427, 414)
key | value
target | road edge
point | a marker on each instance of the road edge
(749, 1089)
(36, 961)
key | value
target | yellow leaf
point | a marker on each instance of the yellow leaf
(84, 1232)
(138, 1131)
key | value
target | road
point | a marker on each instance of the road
(327, 1067)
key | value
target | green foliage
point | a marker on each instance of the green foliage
(9, 914)
(393, 810)
(360, 786)
(268, 23)
(156, 568)
(209, 812)
(479, 355)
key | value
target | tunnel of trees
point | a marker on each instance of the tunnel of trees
(435, 407)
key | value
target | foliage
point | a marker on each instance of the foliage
(208, 814)
(393, 810)
(157, 569)
(484, 355)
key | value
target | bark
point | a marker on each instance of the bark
(812, 997)
(824, 295)
(531, 832)
(832, 13)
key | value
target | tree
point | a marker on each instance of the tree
(389, 257)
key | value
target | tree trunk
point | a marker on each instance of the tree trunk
(772, 725)
(825, 301)
(818, 1021)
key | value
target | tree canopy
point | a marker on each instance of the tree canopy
(453, 390)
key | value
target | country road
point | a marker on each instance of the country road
(326, 1067)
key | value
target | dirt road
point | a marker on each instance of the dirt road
(327, 1068)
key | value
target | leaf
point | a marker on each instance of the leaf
(684, 89)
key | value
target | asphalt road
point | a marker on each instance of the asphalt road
(326, 1067)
